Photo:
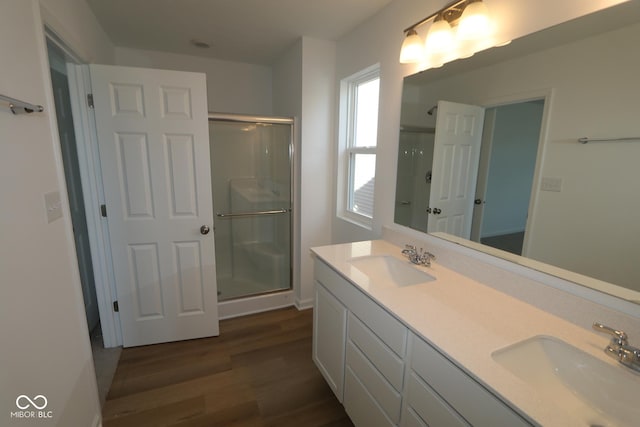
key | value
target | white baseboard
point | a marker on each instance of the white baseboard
(304, 304)
(502, 233)
(256, 304)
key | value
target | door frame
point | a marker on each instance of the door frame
(486, 145)
(58, 61)
(93, 192)
(546, 94)
(91, 180)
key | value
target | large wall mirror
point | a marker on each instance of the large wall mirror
(524, 184)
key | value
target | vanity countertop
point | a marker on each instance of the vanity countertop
(467, 321)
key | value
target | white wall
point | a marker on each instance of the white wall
(74, 22)
(596, 212)
(304, 87)
(45, 345)
(378, 41)
(232, 87)
(316, 154)
(287, 101)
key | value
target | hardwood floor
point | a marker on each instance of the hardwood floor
(258, 372)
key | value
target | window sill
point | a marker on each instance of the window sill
(357, 220)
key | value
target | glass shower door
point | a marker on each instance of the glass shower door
(251, 184)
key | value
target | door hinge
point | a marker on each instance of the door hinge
(115, 306)
(103, 210)
(90, 100)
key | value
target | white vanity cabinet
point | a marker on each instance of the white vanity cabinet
(384, 374)
(370, 355)
(439, 393)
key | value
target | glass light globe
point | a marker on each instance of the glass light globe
(440, 45)
(475, 22)
(412, 48)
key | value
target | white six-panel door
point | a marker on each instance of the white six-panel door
(153, 141)
(455, 168)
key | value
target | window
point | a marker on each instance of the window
(359, 133)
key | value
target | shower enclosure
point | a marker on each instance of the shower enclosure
(251, 169)
(413, 187)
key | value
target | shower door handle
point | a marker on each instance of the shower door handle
(204, 229)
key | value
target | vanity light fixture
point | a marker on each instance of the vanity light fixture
(458, 31)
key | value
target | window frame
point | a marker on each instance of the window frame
(347, 147)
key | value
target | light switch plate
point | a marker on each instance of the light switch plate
(552, 184)
(52, 206)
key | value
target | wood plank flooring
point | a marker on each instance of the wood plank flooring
(258, 372)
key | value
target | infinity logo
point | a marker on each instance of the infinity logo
(20, 401)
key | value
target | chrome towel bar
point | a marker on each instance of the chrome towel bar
(246, 214)
(20, 107)
(584, 139)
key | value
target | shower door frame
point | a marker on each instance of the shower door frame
(241, 118)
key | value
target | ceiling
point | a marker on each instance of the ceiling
(252, 31)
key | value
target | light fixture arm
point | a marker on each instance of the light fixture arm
(443, 11)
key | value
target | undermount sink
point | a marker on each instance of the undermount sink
(385, 269)
(597, 393)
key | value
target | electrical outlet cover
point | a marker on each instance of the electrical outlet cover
(552, 184)
(52, 206)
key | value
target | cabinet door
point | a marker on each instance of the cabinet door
(329, 337)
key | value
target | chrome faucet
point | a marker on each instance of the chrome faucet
(619, 347)
(418, 257)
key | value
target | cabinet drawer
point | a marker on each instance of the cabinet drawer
(384, 325)
(379, 354)
(331, 280)
(360, 405)
(477, 405)
(382, 392)
(411, 419)
(429, 406)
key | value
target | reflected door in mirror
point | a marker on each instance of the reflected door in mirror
(455, 168)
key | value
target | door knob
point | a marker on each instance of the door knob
(428, 210)
(204, 229)
(478, 201)
(436, 211)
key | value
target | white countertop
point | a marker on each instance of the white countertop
(467, 321)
